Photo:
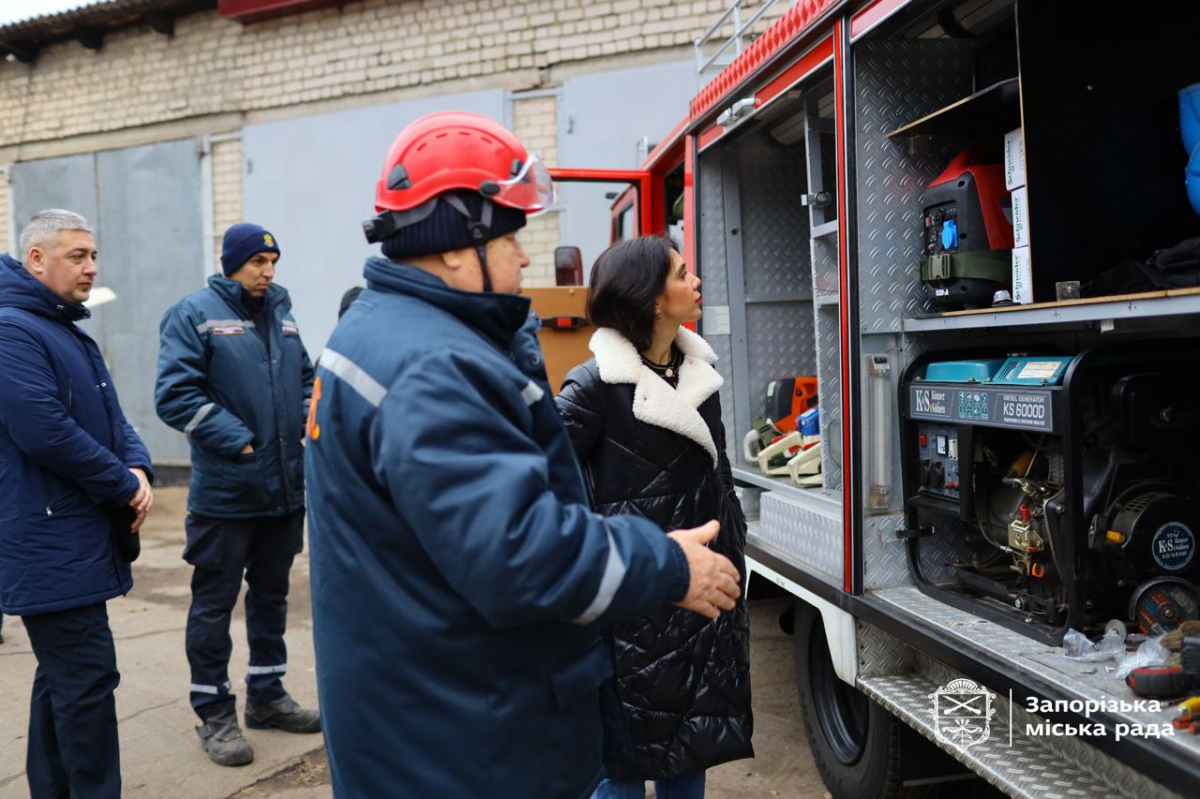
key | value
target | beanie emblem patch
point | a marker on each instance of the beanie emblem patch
(268, 240)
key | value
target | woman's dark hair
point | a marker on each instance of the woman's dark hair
(626, 280)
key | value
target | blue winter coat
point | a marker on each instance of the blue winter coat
(460, 580)
(224, 387)
(65, 455)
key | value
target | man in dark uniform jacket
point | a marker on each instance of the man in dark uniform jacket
(234, 377)
(69, 462)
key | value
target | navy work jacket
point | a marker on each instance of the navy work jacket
(225, 385)
(460, 581)
(65, 455)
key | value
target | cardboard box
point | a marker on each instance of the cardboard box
(1014, 159)
(1022, 276)
(1020, 217)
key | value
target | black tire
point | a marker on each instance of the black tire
(857, 745)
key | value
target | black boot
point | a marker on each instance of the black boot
(223, 739)
(283, 714)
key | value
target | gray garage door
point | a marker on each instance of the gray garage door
(311, 181)
(144, 203)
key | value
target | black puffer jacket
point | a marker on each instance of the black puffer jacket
(658, 452)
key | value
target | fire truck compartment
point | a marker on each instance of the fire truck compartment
(769, 248)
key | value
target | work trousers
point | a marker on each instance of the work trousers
(73, 749)
(223, 551)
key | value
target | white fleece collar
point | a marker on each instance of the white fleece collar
(654, 401)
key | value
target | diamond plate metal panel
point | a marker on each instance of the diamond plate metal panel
(885, 559)
(825, 267)
(1030, 766)
(750, 499)
(774, 223)
(711, 198)
(1080, 755)
(1024, 655)
(781, 345)
(811, 536)
(829, 372)
(881, 654)
(897, 81)
(714, 272)
(972, 630)
(723, 347)
(1083, 757)
(948, 543)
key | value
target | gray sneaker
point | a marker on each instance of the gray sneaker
(223, 739)
(283, 714)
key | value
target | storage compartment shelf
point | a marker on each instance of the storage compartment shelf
(826, 229)
(818, 498)
(1154, 303)
(791, 296)
(995, 109)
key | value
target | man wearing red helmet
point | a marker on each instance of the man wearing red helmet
(462, 586)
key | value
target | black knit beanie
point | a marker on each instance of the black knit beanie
(447, 229)
(242, 242)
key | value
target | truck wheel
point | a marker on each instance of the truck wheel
(855, 743)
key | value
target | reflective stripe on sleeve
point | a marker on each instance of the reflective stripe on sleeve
(200, 416)
(366, 386)
(614, 573)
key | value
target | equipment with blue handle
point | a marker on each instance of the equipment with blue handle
(1189, 127)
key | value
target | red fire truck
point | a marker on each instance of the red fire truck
(969, 221)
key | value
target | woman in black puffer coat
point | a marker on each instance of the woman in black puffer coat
(645, 419)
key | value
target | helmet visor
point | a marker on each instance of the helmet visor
(531, 190)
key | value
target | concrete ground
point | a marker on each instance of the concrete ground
(162, 757)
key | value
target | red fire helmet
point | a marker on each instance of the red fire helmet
(451, 150)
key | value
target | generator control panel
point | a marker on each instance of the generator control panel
(937, 473)
(941, 228)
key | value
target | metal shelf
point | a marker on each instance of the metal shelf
(821, 499)
(1105, 309)
(991, 112)
(827, 229)
(791, 296)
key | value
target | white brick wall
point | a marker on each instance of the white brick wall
(215, 67)
(535, 121)
(5, 246)
(227, 190)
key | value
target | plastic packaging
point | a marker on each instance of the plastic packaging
(1078, 646)
(1150, 653)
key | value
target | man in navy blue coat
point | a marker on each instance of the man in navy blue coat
(461, 582)
(68, 462)
(233, 375)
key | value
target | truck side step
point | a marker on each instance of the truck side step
(1017, 763)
